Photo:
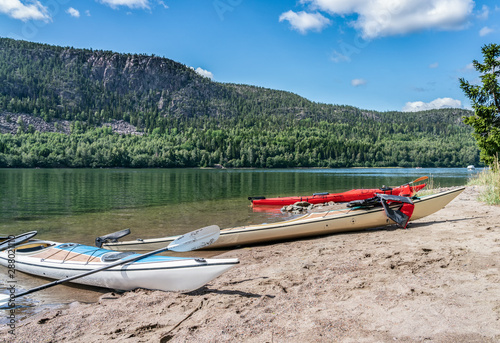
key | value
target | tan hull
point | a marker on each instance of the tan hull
(311, 224)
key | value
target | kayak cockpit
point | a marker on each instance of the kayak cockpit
(33, 247)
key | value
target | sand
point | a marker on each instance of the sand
(437, 281)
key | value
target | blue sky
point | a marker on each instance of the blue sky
(373, 54)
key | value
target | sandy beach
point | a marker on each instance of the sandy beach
(437, 281)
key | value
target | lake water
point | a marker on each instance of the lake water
(77, 205)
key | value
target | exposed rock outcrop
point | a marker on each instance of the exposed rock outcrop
(12, 122)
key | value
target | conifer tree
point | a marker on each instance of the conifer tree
(486, 103)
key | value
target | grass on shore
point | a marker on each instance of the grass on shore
(431, 188)
(490, 180)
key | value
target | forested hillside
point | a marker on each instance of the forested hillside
(190, 121)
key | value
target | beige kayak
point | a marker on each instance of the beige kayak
(311, 224)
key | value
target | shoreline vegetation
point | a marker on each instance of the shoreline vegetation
(193, 144)
(489, 179)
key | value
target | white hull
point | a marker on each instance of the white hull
(308, 225)
(157, 273)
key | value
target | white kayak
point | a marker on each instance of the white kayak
(61, 260)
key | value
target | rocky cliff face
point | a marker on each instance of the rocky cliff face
(126, 73)
(166, 84)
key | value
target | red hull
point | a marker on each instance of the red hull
(355, 194)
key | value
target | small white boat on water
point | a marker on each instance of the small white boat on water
(471, 167)
(61, 260)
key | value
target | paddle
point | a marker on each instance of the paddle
(11, 242)
(190, 241)
(419, 179)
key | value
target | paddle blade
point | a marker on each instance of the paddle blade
(422, 178)
(13, 241)
(4, 300)
(195, 239)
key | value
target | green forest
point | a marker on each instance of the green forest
(187, 120)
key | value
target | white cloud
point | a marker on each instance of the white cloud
(340, 57)
(303, 21)
(204, 72)
(468, 68)
(72, 12)
(484, 13)
(358, 82)
(434, 65)
(127, 3)
(34, 10)
(378, 18)
(485, 31)
(434, 104)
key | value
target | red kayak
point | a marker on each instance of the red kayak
(354, 194)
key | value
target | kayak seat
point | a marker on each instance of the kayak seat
(115, 256)
(364, 203)
(256, 198)
(112, 237)
(384, 188)
(33, 247)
